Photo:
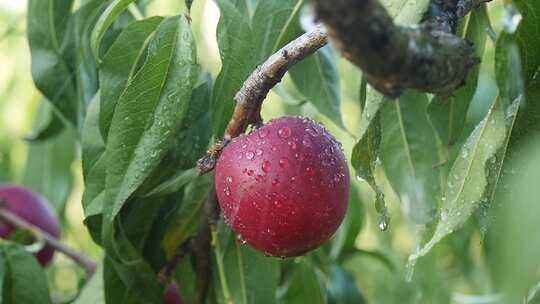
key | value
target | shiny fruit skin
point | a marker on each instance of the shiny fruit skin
(172, 295)
(283, 188)
(34, 209)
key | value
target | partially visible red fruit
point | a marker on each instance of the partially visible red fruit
(283, 188)
(34, 209)
(172, 295)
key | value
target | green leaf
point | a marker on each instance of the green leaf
(406, 11)
(51, 71)
(303, 286)
(317, 78)
(366, 152)
(409, 155)
(495, 169)
(244, 269)
(342, 288)
(20, 270)
(515, 262)
(468, 177)
(150, 111)
(520, 37)
(345, 237)
(185, 222)
(86, 72)
(448, 114)
(92, 293)
(107, 18)
(94, 170)
(119, 65)
(195, 132)
(48, 164)
(51, 128)
(528, 39)
(244, 42)
(126, 239)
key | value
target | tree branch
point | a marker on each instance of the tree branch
(166, 272)
(428, 57)
(250, 97)
(40, 235)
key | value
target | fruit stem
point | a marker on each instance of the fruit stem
(250, 97)
(221, 268)
(11, 218)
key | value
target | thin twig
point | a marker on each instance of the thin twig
(250, 97)
(166, 272)
(40, 235)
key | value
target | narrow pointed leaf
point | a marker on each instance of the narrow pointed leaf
(119, 65)
(110, 14)
(468, 177)
(150, 111)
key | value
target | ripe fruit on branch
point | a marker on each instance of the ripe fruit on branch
(284, 188)
(172, 295)
(34, 209)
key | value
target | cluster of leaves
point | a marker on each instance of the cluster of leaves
(130, 91)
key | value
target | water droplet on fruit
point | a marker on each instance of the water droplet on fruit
(310, 170)
(274, 148)
(292, 145)
(284, 132)
(241, 239)
(245, 145)
(284, 163)
(293, 179)
(229, 179)
(259, 178)
(263, 133)
(250, 155)
(266, 166)
(329, 150)
(250, 172)
(227, 191)
(259, 152)
(277, 204)
(312, 131)
(306, 142)
(275, 182)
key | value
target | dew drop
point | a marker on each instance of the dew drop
(383, 225)
(227, 191)
(266, 166)
(284, 162)
(245, 145)
(284, 132)
(306, 142)
(329, 150)
(274, 148)
(240, 238)
(250, 155)
(229, 179)
(275, 182)
(293, 179)
(250, 172)
(259, 178)
(259, 152)
(312, 131)
(292, 145)
(263, 133)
